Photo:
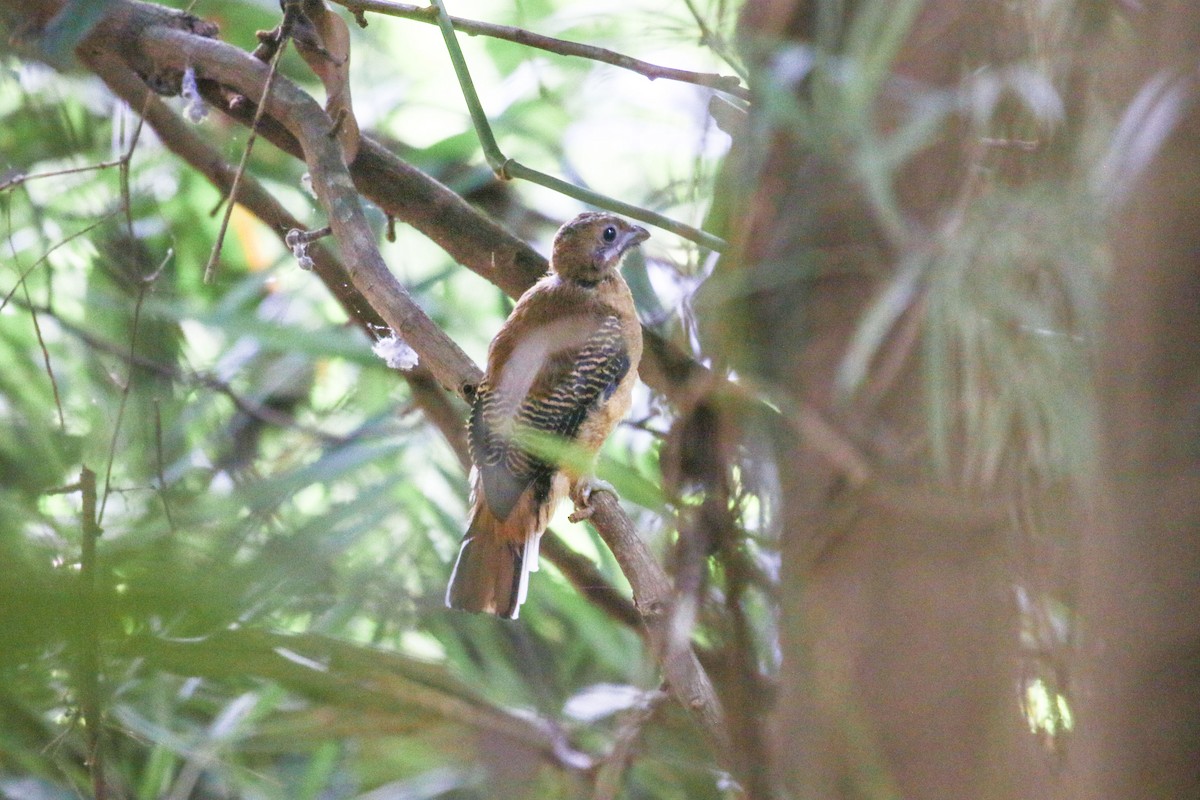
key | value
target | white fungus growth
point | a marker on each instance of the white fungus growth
(194, 107)
(395, 352)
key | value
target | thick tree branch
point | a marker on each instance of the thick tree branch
(406, 193)
(181, 139)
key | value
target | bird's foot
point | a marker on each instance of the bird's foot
(582, 493)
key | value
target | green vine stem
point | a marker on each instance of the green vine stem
(507, 168)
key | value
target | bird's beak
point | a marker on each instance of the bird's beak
(634, 236)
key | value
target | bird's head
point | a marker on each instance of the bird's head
(589, 248)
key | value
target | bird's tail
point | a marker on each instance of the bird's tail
(491, 574)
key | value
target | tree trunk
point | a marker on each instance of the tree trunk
(899, 630)
(1139, 716)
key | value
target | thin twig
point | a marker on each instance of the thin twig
(562, 47)
(143, 285)
(210, 267)
(207, 380)
(20, 179)
(37, 328)
(123, 172)
(507, 168)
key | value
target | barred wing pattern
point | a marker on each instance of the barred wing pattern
(508, 471)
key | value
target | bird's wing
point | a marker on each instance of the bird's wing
(568, 384)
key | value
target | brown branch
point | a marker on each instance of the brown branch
(181, 139)
(310, 125)
(562, 47)
(653, 596)
(588, 580)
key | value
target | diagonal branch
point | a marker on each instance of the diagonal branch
(307, 121)
(655, 598)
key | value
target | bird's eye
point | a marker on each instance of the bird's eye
(610, 234)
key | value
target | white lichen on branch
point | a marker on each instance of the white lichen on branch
(395, 352)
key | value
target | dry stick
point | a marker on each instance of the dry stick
(309, 123)
(562, 47)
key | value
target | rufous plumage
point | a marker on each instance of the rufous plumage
(564, 365)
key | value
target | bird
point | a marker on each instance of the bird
(564, 364)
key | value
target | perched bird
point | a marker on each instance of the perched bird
(563, 364)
